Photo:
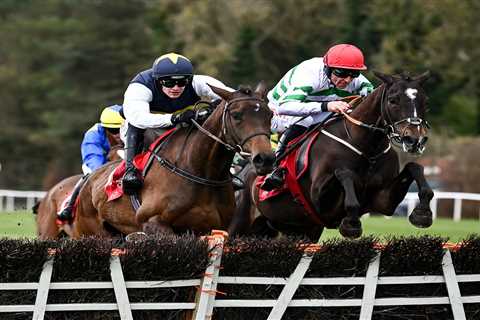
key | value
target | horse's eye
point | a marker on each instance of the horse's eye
(237, 116)
(393, 100)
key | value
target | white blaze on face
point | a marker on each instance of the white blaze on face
(412, 95)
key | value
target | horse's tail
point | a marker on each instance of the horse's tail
(35, 207)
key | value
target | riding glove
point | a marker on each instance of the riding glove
(184, 117)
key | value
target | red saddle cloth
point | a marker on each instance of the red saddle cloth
(113, 188)
(296, 164)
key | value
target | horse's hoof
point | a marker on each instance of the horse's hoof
(421, 218)
(350, 228)
(136, 237)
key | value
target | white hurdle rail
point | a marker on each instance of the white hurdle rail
(120, 287)
(205, 301)
(8, 200)
(411, 199)
(10, 196)
(370, 283)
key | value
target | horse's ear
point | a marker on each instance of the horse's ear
(422, 78)
(224, 94)
(261, 89)
(387, 79)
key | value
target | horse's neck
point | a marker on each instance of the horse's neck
(209, 156)
(369, 110)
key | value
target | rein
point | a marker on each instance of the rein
(189, 176)
(236, 148)
(181, 172)
(390, 130)
(359, 123)
(353, 100)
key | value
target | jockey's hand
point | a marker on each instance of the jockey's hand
(184, 117)
(338, 106)
(203, 114)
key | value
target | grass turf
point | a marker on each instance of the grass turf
(20, 224)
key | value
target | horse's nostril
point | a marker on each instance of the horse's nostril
(263, 160)
(409, 140)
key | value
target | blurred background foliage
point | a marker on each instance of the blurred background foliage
(62, 61)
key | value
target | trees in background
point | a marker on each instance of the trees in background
(62, 61)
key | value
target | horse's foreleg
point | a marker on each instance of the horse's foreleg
(149, 220)
(262, 227)
(244, 213)
(422, 215)
(387, 199)
(155, 226)
(350, 227)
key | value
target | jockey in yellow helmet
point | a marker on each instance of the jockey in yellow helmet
(95, 147)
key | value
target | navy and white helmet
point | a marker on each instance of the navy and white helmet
(172, 65)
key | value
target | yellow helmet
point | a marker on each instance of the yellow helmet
(111, 118)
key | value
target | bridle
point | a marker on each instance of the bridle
(390, 128)
(394, 134)
(228, 130)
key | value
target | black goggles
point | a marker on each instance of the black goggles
(343, 73)
(113, 130)
(170, 83)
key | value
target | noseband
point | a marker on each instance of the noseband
(390, 128)
(228, 128)
(393, 133)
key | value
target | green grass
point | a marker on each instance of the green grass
(382, 227)
(17, 224)
(22, 224)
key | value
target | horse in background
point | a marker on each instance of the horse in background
(352, 168)
(47, 208)
(188, 186)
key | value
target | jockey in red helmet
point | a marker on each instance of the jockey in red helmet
(308, 93)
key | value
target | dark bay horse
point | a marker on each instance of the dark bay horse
(194, 192)
(353, 169)
(47, 208)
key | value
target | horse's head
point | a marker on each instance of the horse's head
(246, 119)
(403, 107)
(116, 152)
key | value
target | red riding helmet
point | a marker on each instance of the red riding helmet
(345, 56)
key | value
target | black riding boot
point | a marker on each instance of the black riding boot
(238, 183)
(132, 181)
(66, 213)
(237, 166)
(275, 179)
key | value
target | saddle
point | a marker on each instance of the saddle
(142, 162)
(295, 164)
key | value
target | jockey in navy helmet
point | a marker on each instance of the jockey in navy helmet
(160, 97)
